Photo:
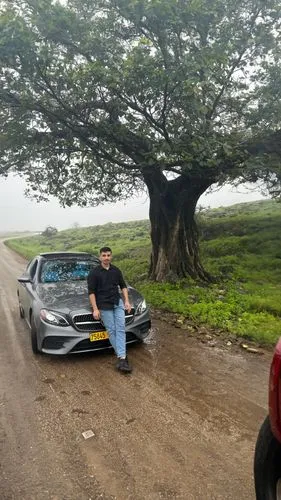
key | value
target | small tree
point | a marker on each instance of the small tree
(49, 232)
(102, 99)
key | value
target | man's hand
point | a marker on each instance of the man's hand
(128, 306)
(96, 314)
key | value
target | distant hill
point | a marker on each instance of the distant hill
(11, 234)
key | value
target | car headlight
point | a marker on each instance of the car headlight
(53, 318)
(141, 307)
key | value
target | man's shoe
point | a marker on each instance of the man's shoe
(123, 365)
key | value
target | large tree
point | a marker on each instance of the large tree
(101, 99)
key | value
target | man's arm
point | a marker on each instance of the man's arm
(125, 294)
(127, 304)
(96, 312)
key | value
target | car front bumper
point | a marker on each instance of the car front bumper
(67, 340)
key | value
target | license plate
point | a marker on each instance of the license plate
(98, 336)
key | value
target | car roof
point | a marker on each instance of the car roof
(55, 255)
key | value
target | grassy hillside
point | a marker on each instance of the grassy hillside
(241, 245)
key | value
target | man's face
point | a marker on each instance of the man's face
(105, 258)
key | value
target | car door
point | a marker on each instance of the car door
(26, 288)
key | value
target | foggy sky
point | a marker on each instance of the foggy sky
(17, 213)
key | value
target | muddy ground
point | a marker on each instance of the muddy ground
(182, 426)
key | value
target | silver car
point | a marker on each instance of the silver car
(53, 299)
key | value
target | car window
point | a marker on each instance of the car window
(53, 271)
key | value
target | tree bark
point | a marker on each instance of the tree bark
(174, 234)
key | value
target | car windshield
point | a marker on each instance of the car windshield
(53, 271)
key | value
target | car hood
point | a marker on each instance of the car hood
(72, 296)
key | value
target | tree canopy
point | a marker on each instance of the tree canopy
(101, 99)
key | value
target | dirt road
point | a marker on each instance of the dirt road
(182, 426)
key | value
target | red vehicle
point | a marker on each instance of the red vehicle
(267, 463)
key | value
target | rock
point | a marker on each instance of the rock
(180, 321)
(253, 350)
(192, 298)
(188, 327)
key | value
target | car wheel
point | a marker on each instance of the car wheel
(267, 465)
(34, 343)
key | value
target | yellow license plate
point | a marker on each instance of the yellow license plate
(98, 336)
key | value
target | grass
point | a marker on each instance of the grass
(241, 245)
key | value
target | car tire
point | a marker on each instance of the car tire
(33, 331)
(267, 464)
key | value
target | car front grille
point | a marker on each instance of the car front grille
(86, 322)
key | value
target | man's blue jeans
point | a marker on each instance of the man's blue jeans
(114, 322)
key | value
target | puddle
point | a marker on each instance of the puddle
(151, 341)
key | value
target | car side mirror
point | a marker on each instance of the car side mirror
(25, 279)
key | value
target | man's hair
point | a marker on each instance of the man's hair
(105, 249)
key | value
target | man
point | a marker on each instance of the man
(103, 282)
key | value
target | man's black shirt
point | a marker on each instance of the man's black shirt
(104, 284)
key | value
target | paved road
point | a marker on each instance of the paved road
(183, 426)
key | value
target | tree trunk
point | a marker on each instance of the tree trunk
(174, 235)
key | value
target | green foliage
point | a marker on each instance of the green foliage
(98, 90)
(121, 237)
(242, 247)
